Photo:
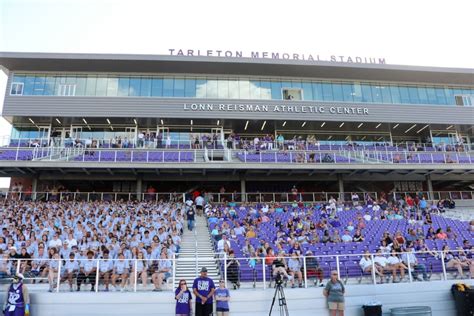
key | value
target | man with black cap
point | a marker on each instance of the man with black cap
(203, 288)
(18, 299)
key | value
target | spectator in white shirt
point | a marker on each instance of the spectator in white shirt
(55, 242)
(71, 268)
(121, 271)
(367, 216)
(365, 264)
(394, 263)
(106, 265)
(221, 243)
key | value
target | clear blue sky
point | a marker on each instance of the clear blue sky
(412, 32)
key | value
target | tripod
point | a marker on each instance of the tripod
(281, 300)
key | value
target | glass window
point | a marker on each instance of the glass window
(276, 90)
(327, 91)
(441, 96)
(70, 80)
(18, 78)
(255, 89)
(244, 89)
(431, 93)
(101, 87)
(450, 95)
(49, 85)
(157, 87)
(423, 95)
(90, 85)
(386, 97)
(211, 88)
(123, 86)
(39, 85)
(178, 87)
(17, 88)
(190, 88)
(337, 92)
(168, 84)
(265, 90)
(413, 93)
(307, 91)
(201, 88)
(80, 85)
(134, 89)
(29, 87)
(357, 92)
(223, 89)
(145, 87)
(112, 86)
(376, 93)
(317, 91)
(347, 92)
(366, 92)
(296, 84)
(233, 89)
(404, 94)
(395, 92)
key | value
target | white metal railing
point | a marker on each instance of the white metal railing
(240, 143)
(255, 272)
(257, 197)
(140, 155)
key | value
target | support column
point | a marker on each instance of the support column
(429, 184)
(242, 190)
(139, 189)
(340, 183)
(34, 187)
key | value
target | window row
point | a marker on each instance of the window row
(212, 88)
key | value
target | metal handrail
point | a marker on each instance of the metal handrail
(217, 197)
(332, 261)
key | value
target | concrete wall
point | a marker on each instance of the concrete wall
(301, 302)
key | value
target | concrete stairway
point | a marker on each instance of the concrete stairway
(197, 251)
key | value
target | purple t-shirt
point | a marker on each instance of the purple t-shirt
(204, 287)
(182, 304)
(222, 293)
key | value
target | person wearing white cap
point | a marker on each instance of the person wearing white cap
(18, 299)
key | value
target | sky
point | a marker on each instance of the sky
(420, 32)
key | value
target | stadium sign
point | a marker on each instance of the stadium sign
(275, 55)
(278, 108)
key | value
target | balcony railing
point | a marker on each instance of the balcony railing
(257, 197)
(142, 155)
(251, 272)
(245, 142)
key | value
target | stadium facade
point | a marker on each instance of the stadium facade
(131, 122)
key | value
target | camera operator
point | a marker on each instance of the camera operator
(279, 267)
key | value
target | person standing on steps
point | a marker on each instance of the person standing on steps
(199, 201)
(190, 214)
(203, 289)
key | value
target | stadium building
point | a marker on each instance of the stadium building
(165, 121)
(99, 127)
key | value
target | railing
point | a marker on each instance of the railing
(147, 274)
(91, 155)
(252, 197)
(241, 143)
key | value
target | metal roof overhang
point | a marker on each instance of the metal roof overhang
(128, 63)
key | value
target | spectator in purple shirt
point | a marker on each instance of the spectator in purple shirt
(183, 299)
(203, 288)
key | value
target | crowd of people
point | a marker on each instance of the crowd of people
(313, 225)
(78, 233)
